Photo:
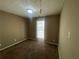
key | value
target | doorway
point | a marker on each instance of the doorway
(40, 27)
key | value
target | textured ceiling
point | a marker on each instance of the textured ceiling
(19, 7)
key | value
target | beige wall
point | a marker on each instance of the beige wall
(69, 43)
(32, 29)
(52, 28)
(12, 27)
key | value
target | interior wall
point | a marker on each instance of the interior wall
(12, 29)
(32, 28)
(52, 28)
(69, 30)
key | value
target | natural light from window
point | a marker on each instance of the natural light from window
(40, 29)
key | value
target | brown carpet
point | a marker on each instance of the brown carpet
(30, 50)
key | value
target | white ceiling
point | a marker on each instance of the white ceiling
(19, 7)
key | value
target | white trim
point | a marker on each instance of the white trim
(31, 38)
(52, 43)
(11, 45)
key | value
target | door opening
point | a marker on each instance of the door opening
(40, 27)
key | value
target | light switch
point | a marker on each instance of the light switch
(69, 35)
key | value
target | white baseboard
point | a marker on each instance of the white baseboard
(11, 45)
(31, 39)
(52, 43)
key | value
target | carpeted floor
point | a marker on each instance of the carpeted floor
(30, 50)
